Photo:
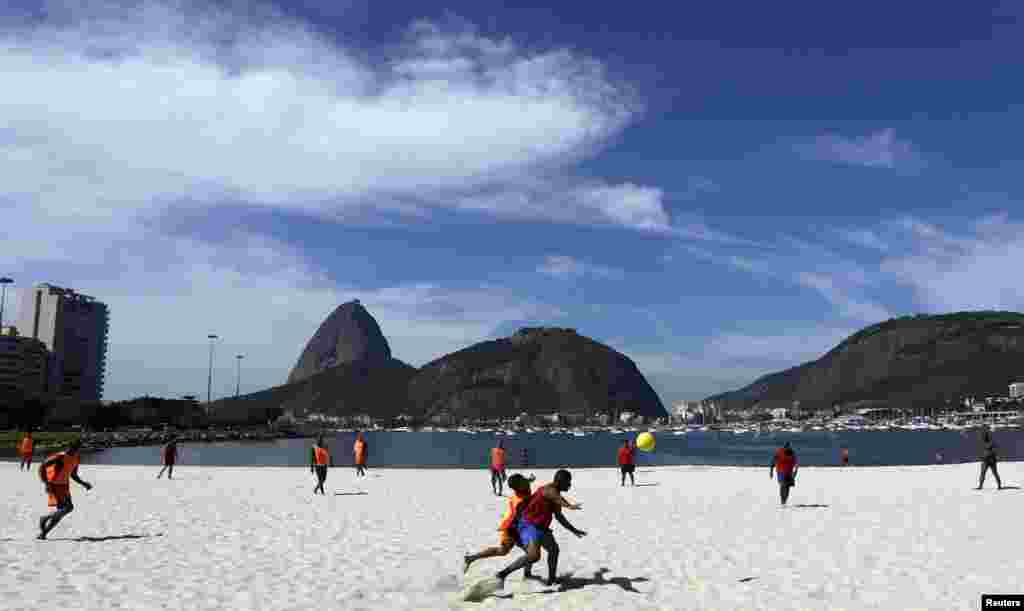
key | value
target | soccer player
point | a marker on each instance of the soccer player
(170, 456)
(25, 449)
(545, 504)
(319, 459)
(784, 464)
(54, 472)
(498, 468)
(508, 526)
(627, 462)
(359, 450)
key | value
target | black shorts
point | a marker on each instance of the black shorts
(627, 468)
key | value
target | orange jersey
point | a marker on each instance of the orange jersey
(322, 456)
(498, 458)
(27, 444)
(70, 463)
(508, 520)
(359, 449)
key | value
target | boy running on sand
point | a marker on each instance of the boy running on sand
(785, 465)
(498, 468)
(359, 451)
(319, 459)
(25, 449)
(54, 472)
(545, 503)
(509, 534)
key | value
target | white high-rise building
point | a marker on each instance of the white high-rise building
(73, 327)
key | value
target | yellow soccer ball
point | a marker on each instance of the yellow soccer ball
(645, 441)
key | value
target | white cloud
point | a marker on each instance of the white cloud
(169, 104)
(114, 119)
(847, 306)
(878, 150)
(975, 270)
(561, 266)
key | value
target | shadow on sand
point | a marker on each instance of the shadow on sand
(568, 582)
(107, 538)
(351, 493)
(746, 579)
(648, 484)
(810, 505)
(1011, 487)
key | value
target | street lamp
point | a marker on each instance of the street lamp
(238, 372)
(3, 297)
(209, 378)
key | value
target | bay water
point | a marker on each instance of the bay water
(550, 451)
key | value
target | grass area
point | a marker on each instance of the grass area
(43, 439)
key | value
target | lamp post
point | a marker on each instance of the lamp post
(238, 373)
(209, 377)
(3, 297)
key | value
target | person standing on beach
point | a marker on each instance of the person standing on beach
(170, 456)
(319, 459)
(545, 503)
(844, 456)
(988, 460)
(26, 448)
(509, 534)
(498, 467)
(54, 473)
(784, 465)
(359, 451)
(627, 462)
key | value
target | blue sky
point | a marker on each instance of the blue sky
(718, 191)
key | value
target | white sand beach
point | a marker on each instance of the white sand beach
(686, 538)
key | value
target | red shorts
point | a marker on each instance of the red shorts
(59, 495)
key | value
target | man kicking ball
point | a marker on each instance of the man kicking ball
(509, 532)
(54, 472)
(535, 533)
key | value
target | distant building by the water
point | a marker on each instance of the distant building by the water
(23, 367)
(73, 327)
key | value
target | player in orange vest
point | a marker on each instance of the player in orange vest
(498, 468)
(54, 472)
(509, 534)
(546, 503)
(25, 449)
(319, 459)
(359, 451)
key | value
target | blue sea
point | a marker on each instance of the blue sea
(545, 450)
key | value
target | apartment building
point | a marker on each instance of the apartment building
(73, 327)
(23, 367)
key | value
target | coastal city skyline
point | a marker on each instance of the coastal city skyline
(715, 198)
